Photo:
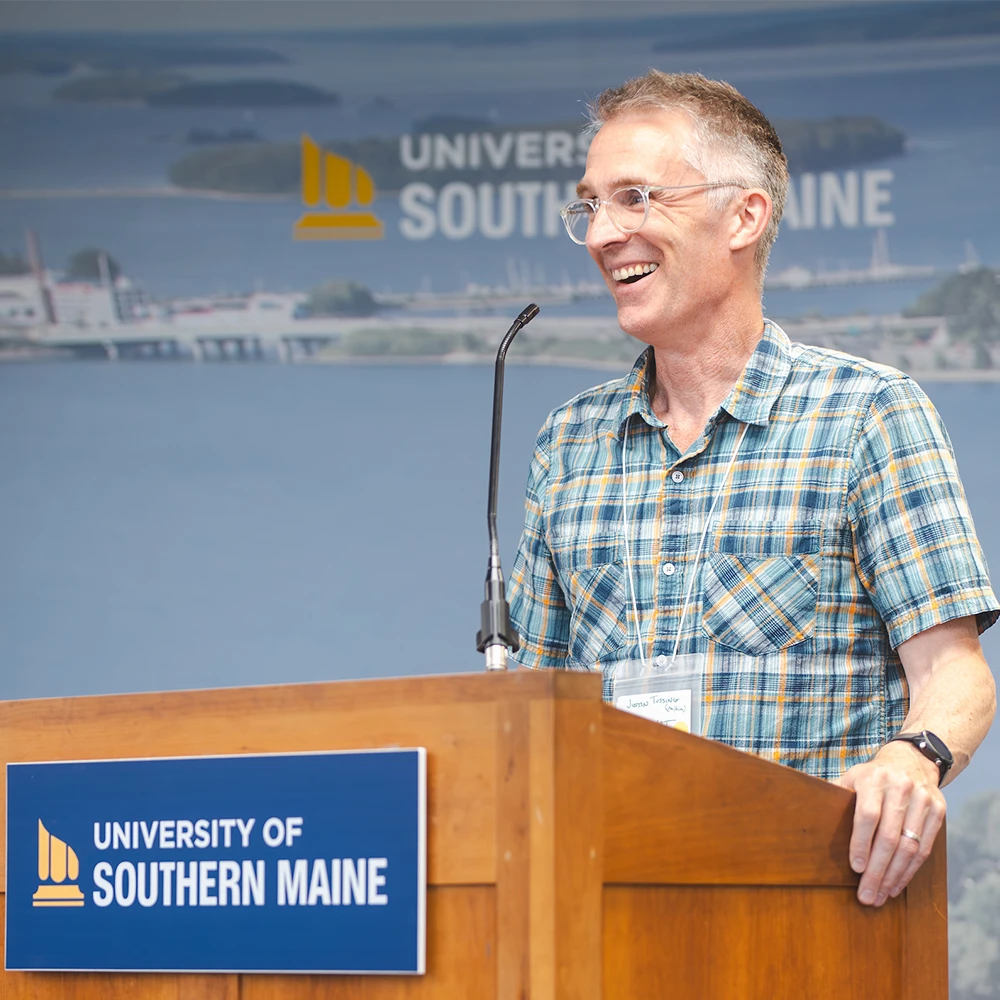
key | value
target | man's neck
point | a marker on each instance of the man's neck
(696, 372)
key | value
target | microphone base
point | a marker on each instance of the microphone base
(496, 657)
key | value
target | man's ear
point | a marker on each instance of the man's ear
(752, 211)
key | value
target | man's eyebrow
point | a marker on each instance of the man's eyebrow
(618, 182)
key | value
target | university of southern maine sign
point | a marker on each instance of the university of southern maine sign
(311, 862)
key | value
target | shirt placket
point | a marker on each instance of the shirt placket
(690, 486)
(673, 512)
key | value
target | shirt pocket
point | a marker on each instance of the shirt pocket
(599, 617)
(589, 560)
(761, 587)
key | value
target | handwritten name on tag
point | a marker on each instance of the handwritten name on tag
(670, 708)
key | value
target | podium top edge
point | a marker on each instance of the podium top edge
(430, 689)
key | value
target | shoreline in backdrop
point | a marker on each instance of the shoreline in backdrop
(985, 376)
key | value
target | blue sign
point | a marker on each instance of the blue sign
(311, 862)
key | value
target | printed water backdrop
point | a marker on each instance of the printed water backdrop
(219, 220)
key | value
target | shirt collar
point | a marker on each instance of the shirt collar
(750, 400)
(635, 393)
(756, 391)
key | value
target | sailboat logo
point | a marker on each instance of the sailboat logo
(58, 870)
(343, 187)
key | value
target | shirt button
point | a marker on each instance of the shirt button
(677, 477)
(668, 569)
(662, 661)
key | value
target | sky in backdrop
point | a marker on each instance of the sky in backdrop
(261, 15)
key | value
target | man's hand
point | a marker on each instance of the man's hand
(952, 694)
(897, 791)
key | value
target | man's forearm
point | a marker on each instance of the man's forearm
(952, 692)
(899, 808)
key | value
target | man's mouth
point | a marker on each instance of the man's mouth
(630, 275)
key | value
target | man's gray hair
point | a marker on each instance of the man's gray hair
(733, 139)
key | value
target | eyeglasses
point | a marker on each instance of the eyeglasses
(628, 208)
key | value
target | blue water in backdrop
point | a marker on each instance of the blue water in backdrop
(181, 526)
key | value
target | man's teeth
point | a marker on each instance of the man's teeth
(624, 273)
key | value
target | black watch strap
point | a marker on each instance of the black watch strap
(932, 747)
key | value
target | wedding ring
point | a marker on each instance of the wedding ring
(911, 835)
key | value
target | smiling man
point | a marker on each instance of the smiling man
(774, 537)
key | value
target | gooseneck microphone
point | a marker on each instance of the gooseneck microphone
(495, 636)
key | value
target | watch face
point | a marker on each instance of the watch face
(938, 747)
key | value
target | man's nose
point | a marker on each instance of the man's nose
(602, 230)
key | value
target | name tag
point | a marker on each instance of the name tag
(664, 689)
(670, 708)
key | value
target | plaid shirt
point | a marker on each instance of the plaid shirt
(842, 531)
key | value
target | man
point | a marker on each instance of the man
(789, 519)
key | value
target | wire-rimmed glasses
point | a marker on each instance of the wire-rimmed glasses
(628, 208)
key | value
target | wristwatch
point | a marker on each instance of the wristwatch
(932, 747)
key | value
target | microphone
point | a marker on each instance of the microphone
(495, 635)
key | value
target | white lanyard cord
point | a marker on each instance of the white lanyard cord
(695, 566)
(628, 558)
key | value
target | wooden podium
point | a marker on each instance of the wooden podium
(575, 852)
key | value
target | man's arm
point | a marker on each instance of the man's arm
(952, 693)
(538, 610)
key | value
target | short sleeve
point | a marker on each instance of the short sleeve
(537, 605)
(915, 544)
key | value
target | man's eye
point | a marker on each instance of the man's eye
(629, 198)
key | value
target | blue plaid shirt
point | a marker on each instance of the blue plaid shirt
(841, 531)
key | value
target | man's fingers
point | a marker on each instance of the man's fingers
(867, 813)
(908, 852)
(846, 780)
(883, 851)
(932, 825)
(916, 836)
(919, 857)
(891, 799)
(886, 840)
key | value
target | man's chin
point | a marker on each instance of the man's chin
(637, 322)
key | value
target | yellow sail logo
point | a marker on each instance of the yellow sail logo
(342, 187)
(58, 870)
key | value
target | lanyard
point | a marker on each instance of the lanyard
(696, 564)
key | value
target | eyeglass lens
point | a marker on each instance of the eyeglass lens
(626, 209)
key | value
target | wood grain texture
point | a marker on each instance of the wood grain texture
(542, 928)
(407, 712)
(926, 923)
(684, 810)
(472, 761)
(575, 851)
(548, 846)
(578, 859)
(111, 986)
(513, 858)
(745, 943)
(461, 959)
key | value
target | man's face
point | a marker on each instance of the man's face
(685, 241)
